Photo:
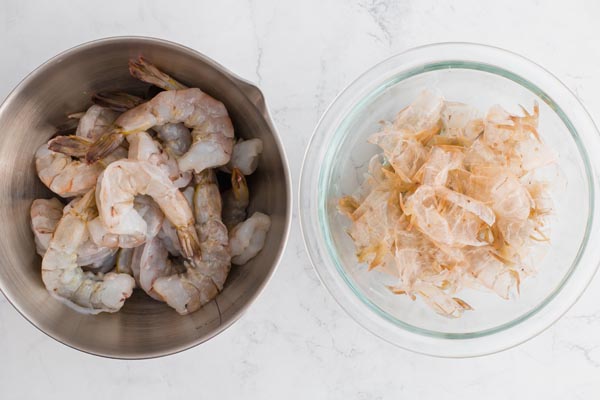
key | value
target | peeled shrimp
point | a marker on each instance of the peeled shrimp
(45, 214)
(153, 263)
(248, 238)
(64, 176)
(122, 181)
(84, 291)
(147, 209)
(212, 129)
(96, 258)
(95, 122)
(176, 138)
(245, 156)
(123, 261)
(235, 200)
(92, 125)
(204, 276)
(168, 233)
(143, 147)
(214, 240)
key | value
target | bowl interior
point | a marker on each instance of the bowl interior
(144, 327)
(482, 86)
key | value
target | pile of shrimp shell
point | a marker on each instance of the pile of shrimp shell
(453, 202)
(139, 202)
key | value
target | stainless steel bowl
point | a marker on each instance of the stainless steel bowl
(144, 328)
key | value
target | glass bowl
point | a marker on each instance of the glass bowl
(337, 158)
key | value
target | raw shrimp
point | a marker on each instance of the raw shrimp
(92, 125)
(204, 276)
(135, 264)
(122, 181)
(214, 240)
(176, 138)
(45, 214)
(123, 261)
(154, 262)
(147, 209)
(245, 156)
(84, 291)
(92, 257)
(95, 122)
(168, 233)
(143, 147)
(61, 173)
(248, 238)
(188, 193)
(64, 176)
(212, 129)
(235, 200)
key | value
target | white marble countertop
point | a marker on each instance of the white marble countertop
(295, 342)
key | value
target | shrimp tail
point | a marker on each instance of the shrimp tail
(69, 127)
(104, 146)
(74, 146)
(147, 72)
(239, 185)
(86, 207)
(117, 101)
(189, 242)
